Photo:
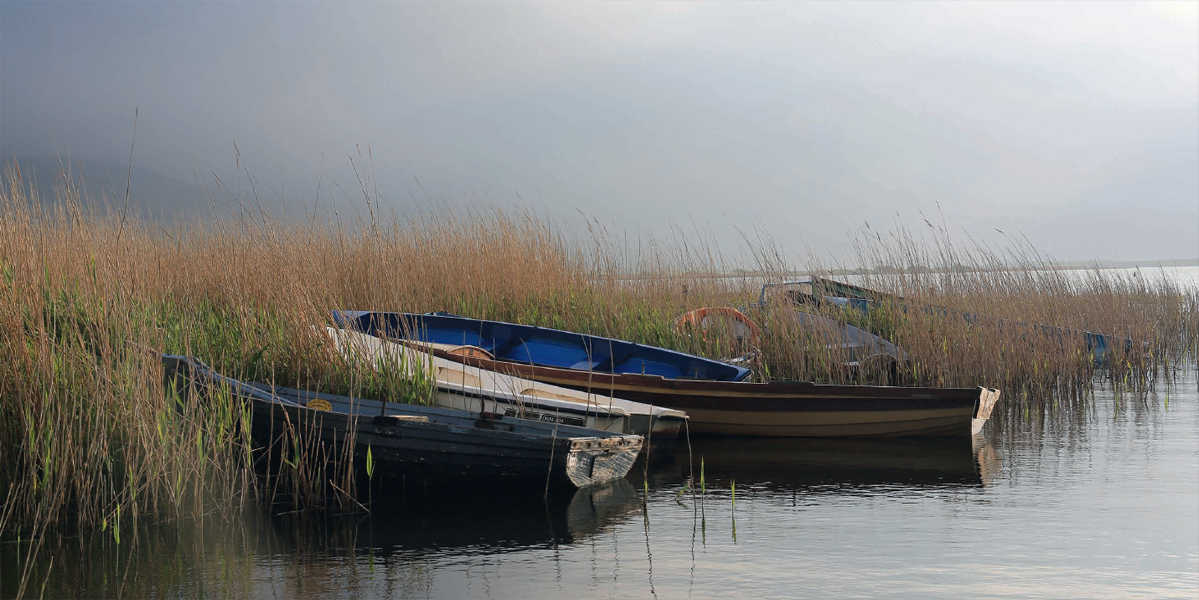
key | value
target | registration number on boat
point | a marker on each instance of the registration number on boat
(545, 417)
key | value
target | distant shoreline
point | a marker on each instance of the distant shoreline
(1129, 264)
(1111, 264)
(1073, 266)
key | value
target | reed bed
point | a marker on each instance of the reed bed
(96, 441)
(1028, 315)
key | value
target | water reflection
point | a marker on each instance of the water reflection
(488, 521)
(330, 554)
(835, 464)
(1096, 499)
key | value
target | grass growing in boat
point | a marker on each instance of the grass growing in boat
(84, 293)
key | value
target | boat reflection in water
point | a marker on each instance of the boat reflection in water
(830, 464)
(311, 555)
(487, 523)
(405, 536)
(988, 459)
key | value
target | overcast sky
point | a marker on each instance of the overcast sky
(1074, 124)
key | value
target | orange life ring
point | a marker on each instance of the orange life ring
(697, 317)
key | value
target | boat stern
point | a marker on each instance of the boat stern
(592, 461)
(987, 398)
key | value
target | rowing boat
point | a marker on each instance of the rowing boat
(435, 444)
(721, 407)
(464, 387)
(513, 342)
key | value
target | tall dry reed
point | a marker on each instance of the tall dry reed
(87, 294)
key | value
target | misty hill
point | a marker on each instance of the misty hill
(151, 194)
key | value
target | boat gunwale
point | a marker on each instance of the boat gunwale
(779, 397)
(780, 389)
(266, 394)
(353, 319)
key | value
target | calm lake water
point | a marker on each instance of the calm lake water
(1099, 502)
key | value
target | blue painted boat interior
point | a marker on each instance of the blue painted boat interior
(540, 346)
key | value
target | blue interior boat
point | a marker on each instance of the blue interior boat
(540, 346)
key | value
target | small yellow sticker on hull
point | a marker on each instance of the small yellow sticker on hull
(319, 404)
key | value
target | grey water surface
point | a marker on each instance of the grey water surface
(1099, 501)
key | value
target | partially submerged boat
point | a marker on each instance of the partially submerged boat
(817, 291)
(464, 387)
(856, 345)
(436, 444)
(717, 407)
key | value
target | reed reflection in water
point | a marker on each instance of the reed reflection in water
(1100, 501)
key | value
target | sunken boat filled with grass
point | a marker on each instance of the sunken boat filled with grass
(713, 394)
(434, 445)
(818, 292)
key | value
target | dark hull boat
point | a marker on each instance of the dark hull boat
(783, 409)
(435, 444)
(730, 407)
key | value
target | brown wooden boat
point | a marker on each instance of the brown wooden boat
(776, 409)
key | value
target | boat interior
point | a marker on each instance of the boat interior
(542, 346)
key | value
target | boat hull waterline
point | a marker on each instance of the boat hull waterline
(782, 409)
